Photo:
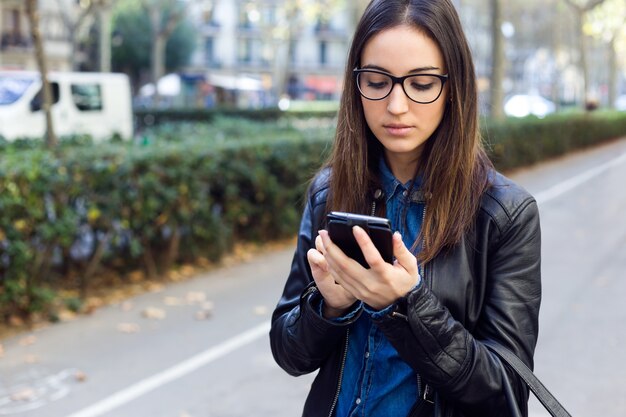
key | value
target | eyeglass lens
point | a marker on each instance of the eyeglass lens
(422, 88)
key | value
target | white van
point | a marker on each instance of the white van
(96, 104)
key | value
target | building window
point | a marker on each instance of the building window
(323, 53)
(244, 50)
(209, 52)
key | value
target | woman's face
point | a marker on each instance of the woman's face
(401, 125)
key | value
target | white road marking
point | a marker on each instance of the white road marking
(565, 186)
(38, 393)
(195, 362)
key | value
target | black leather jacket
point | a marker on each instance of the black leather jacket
(486, 287)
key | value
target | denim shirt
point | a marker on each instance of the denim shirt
(376, 382)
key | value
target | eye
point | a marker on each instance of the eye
(418, 85)
(374, 81)
(377, 85)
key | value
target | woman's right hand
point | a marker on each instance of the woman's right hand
(337, 299)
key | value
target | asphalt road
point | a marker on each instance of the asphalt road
(178, 363)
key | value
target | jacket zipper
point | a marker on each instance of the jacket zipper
(343, 365)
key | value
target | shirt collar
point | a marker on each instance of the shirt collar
(391, 185)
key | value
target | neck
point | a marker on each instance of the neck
(402, 167)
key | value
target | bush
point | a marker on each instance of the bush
(188, 190)
(514, 143)
(82, 209)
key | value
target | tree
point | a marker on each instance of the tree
(580, 9)
(496, 95)
(606, 23)
(33, 18)
(291, 17)
(132, 43)
(164, 16)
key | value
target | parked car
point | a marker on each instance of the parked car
(96, 104)
(522, 105)
(620, 103)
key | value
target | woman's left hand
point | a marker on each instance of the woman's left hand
(382, 284)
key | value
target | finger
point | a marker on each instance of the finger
(403, 255)
(319, 244)
(332, 251)
(316, 259)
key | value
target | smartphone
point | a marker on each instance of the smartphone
(339, 226)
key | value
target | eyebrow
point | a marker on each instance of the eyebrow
(420, 69)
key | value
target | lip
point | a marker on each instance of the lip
(395, 129)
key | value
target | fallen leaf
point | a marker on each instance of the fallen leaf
(206, 310)
(154, 313)
(203, 314)
(136, 276)
(172, 301)
(127, 306)
(92, 304)
(175, 276)
(66, 315)
(128, 327)
(154, 287)
(31, 359)
(16, 321)
(187, 270)
(28, 340)
(260, 310)
(24, 394)
(80, 376)
(195, 297)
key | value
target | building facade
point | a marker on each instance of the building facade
(16, 47)
(267, 49)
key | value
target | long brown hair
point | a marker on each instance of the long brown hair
(453, 165)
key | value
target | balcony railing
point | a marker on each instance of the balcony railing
(14, 40)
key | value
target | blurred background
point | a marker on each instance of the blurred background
(534, 56)
(154, 155)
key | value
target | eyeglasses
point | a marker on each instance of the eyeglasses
(420, 88)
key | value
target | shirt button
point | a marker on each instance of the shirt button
(405, 193)
(367, 354)
(358, 401)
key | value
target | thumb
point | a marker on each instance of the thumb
(403, 255)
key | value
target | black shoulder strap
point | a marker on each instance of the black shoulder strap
(541, 392)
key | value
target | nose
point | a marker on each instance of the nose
(398, 102)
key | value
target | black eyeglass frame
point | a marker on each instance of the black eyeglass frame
(398, 80)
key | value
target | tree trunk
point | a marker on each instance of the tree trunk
(582, 46)
(104, 15)
(40, 56)
(579, 13)
(496, 94)
(555, 90)
(613, 72)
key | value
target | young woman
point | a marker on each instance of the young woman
(408, 338)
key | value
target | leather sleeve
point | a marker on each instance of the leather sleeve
(452, 358)
(301, 340)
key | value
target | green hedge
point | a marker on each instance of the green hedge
(514, 143)
(69, 216)
(190, 190)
